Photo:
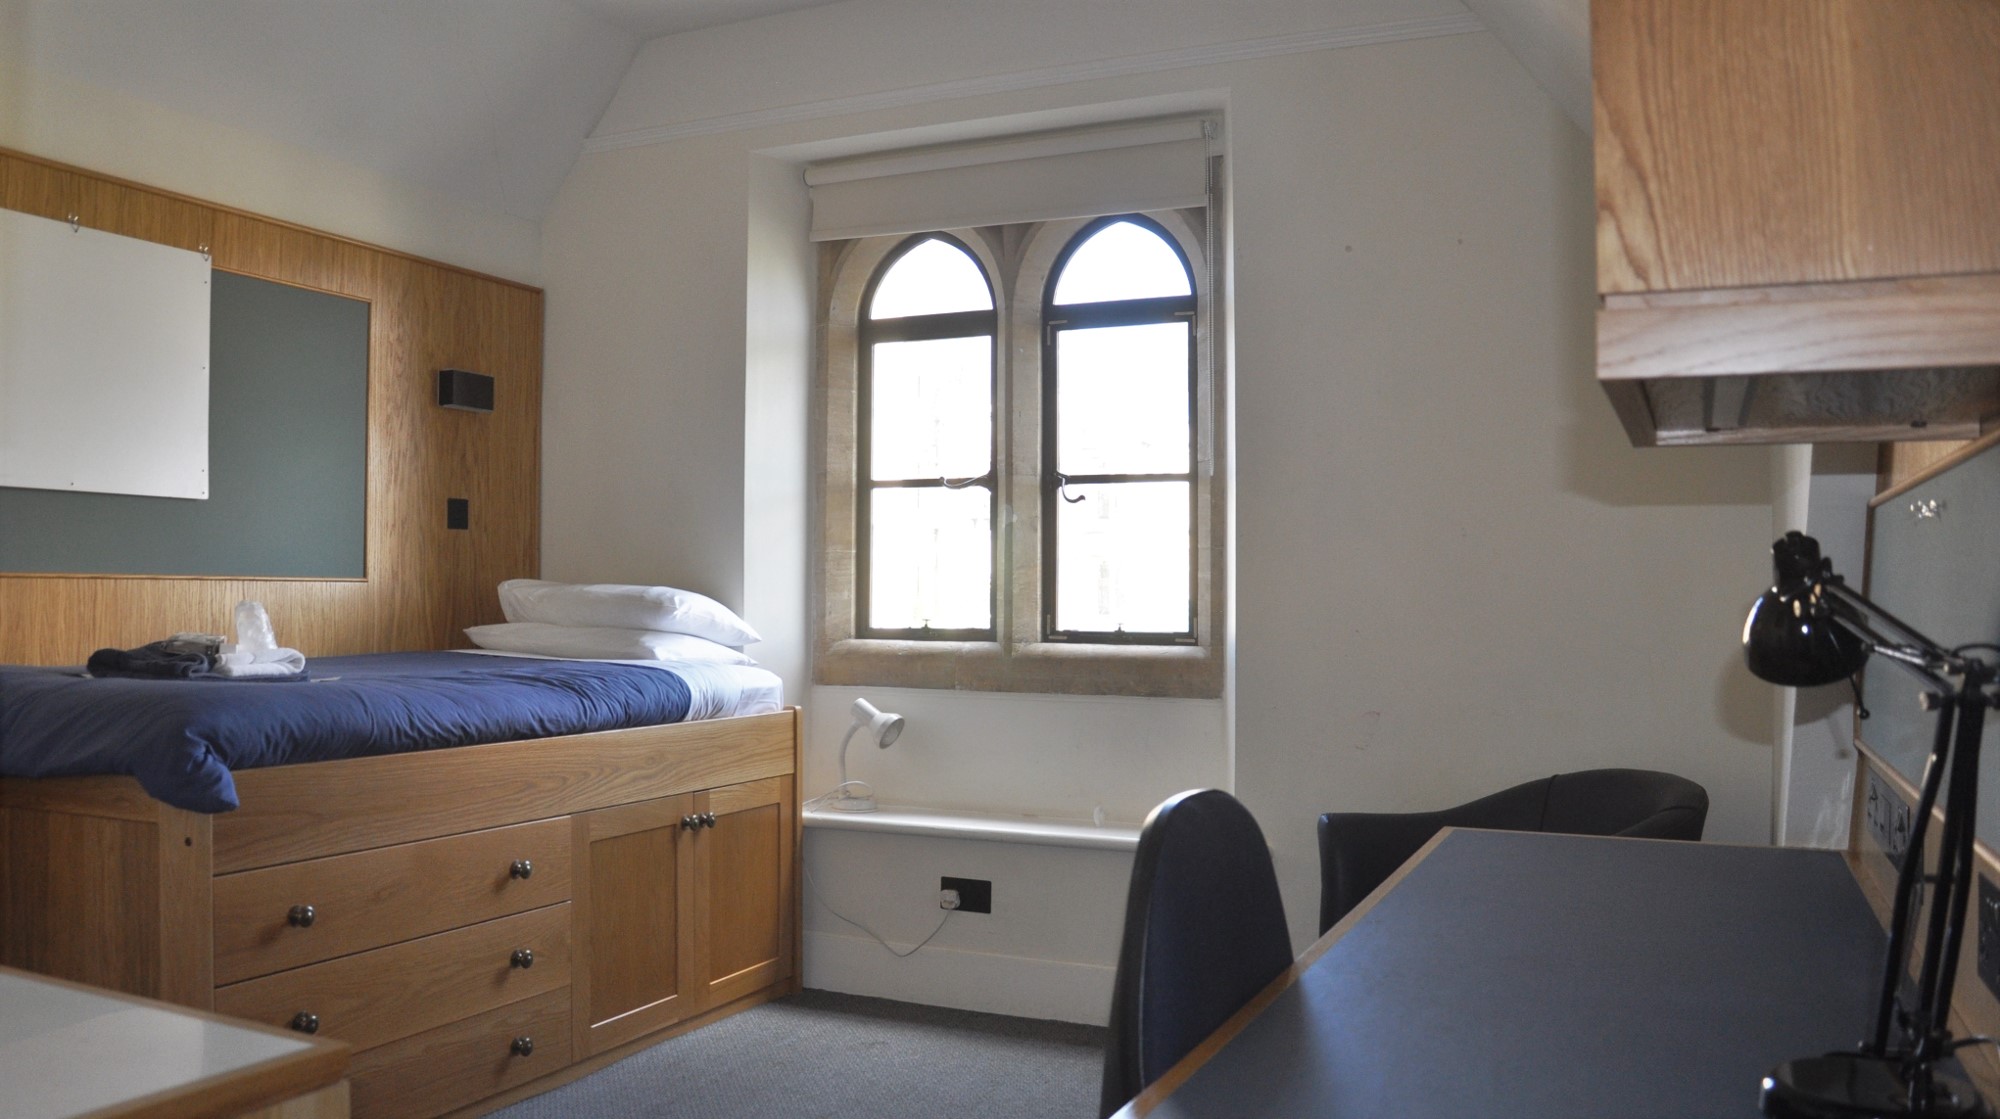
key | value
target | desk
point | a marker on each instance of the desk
(1506, 975)
(69, 1050)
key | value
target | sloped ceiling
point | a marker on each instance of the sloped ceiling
(1552, 40)
(488, 101)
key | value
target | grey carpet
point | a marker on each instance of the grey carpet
(821, 1054)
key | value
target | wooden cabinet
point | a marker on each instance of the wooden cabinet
(481, 918)
(683, 904)
(632, 896)
(298, 913)
(1745, 143)
(1798, 223)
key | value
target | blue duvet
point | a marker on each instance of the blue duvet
(181, 738)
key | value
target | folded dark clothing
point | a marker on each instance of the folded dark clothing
(158, 660)
(171, 660)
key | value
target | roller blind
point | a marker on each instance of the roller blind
(1151, 165)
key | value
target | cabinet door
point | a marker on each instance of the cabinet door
(1754, 144)
(744, 880)
(633, 893)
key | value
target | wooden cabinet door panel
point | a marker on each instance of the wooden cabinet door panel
(744, 876)
(632, 890)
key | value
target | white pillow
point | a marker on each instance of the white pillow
(609, 604)
(601, 643)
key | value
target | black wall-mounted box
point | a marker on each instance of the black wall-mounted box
(465, 390)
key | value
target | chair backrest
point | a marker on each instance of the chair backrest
(1204, 932)
(1635, 802)
(1358, 851)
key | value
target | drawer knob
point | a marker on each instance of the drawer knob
(708, 819)
(524, 1046)
(305, 1023)
(690, 822)
(300, 916)
(522, 868)
(522, 957)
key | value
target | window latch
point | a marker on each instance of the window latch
(1062, 489)
(985, 479)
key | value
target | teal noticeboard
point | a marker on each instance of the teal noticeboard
(288, 449)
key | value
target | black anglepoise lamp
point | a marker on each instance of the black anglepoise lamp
(1811, 629)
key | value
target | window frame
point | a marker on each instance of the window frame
(915, 328)
(1018, 260)
(1092, 316)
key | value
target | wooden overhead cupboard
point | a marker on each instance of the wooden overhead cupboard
(477, 923)
(1798, 218)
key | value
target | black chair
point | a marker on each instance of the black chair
(1204, 931)
(1359, 850)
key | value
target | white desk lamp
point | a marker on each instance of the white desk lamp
(885, 727)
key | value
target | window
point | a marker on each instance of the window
(927, 496)
(1118, 455)
(1020, 443)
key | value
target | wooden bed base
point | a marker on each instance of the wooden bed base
(473, 921)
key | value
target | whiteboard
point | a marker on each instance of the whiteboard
(103, 361)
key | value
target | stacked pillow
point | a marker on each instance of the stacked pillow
(608, 621)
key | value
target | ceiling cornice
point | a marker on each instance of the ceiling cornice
(1209, 54)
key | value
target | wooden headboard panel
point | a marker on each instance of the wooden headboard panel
(424, 582)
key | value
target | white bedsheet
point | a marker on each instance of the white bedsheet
(716, 691)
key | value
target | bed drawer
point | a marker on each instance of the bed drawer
(375, 997)
(372, 898)
(448, 1067)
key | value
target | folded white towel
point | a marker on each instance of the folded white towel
(260, 662)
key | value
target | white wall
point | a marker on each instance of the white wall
(1048, 949)
(1452, 573)
(49, 115)
(1820, 721)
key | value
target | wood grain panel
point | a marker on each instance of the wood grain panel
(584, 1065)
(1907, 324)
(452, 1065)
(635, 923)
(183, 842)
(330, 1102)
(81, 899)
(634, 889)
(423, 583)
(744, 879)
(119, 798)
(371, 898)
(1748, 142)
(372, 998)
(328, 808)
(1902, 467)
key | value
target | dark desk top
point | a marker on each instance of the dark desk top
(1545, 977)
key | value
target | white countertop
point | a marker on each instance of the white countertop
(68, 1051)
(1036, 830)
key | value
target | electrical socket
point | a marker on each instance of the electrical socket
(1888, 819)
(975, 895)
(1988, 945)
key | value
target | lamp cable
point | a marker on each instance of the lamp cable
(859, 790)
(812, 884)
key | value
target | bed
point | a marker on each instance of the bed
(480, 912)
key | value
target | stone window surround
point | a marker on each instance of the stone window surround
(1018, 259)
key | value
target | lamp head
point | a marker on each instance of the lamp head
(1791, 636)
(885, 726)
